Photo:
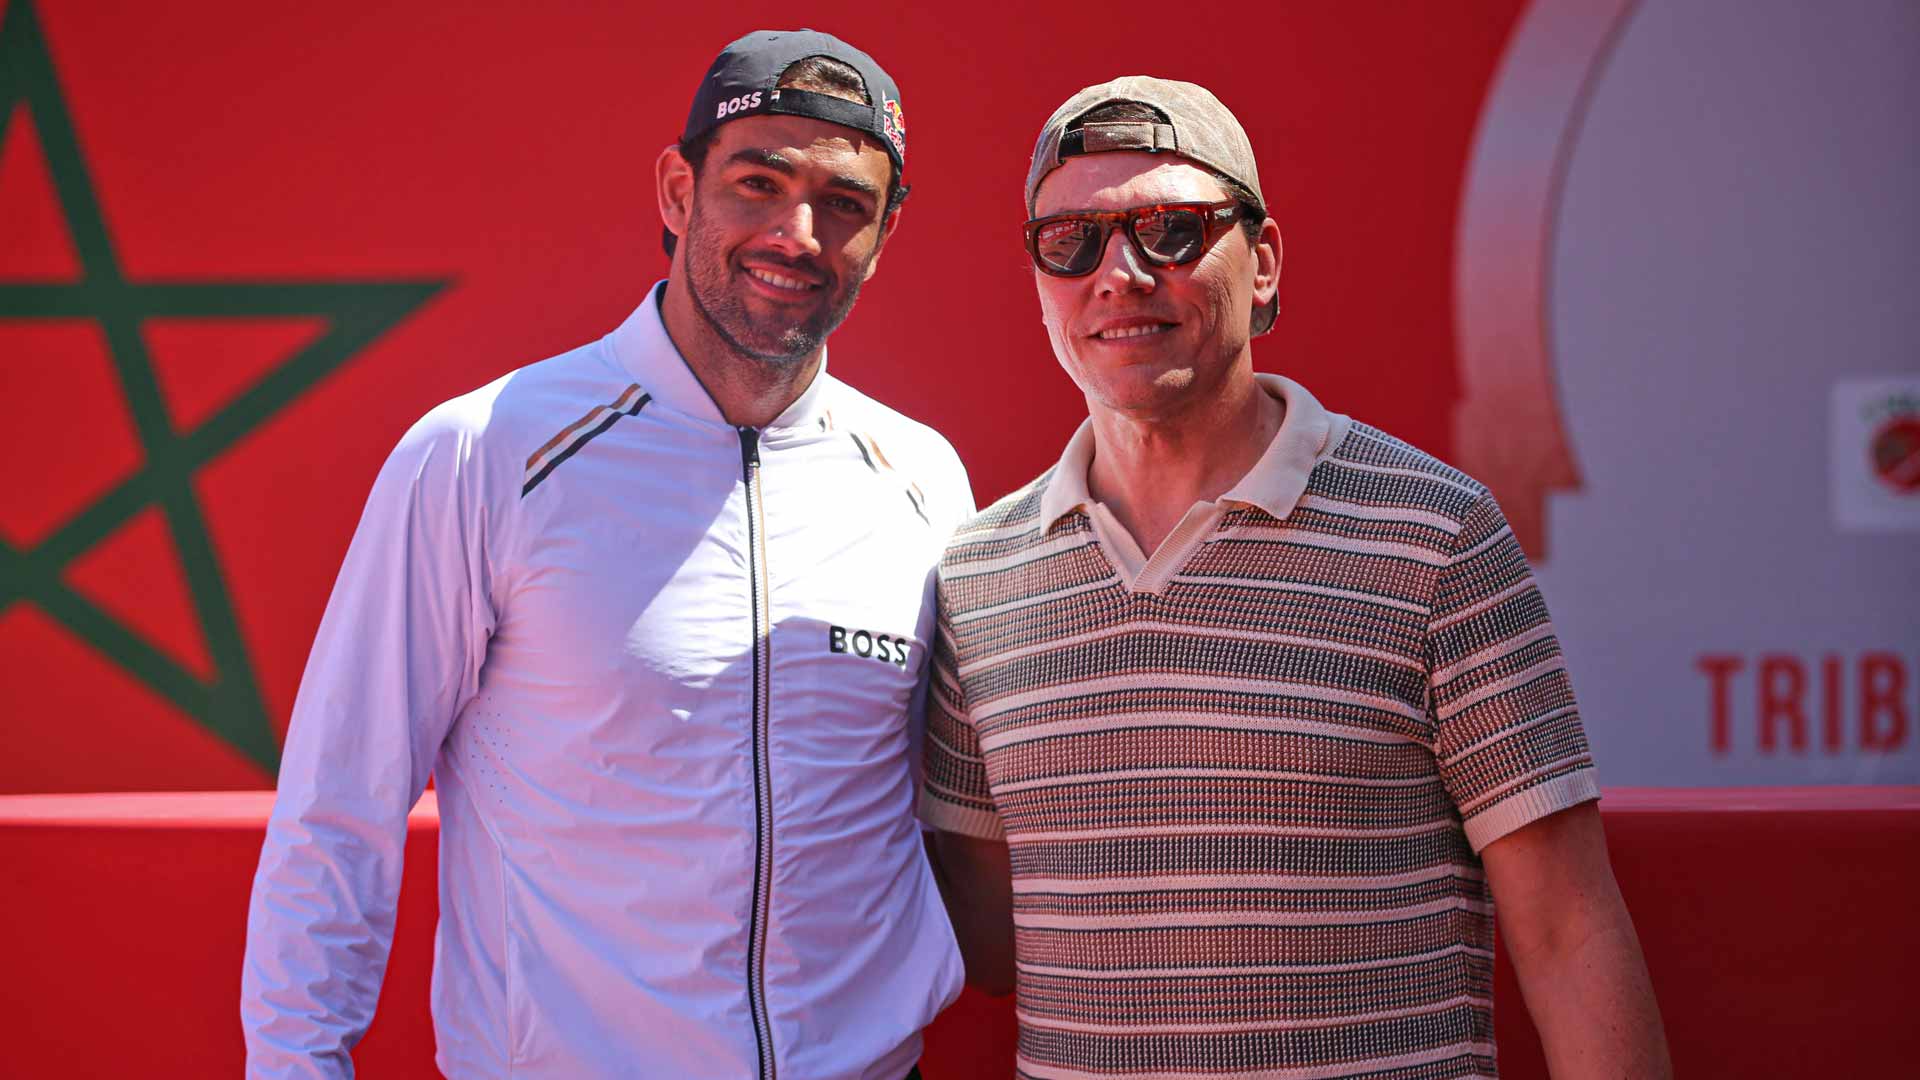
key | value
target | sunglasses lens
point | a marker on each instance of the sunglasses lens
(1171, 236)
(1068, 246)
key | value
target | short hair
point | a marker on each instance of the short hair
(1252, 214)
(821, 75)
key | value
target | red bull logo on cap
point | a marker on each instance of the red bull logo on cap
(895, 125)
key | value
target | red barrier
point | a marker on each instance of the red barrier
(1778, 924)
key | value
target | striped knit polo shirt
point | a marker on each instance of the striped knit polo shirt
(1244, 781)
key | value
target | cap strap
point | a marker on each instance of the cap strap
(834, 110)
(1122, 135)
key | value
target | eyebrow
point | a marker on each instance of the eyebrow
(768, 159)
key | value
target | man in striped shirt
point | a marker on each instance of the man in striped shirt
(1245, 713)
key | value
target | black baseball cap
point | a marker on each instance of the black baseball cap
(741, 83)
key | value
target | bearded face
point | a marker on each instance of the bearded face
(785, 226)
(729, 285)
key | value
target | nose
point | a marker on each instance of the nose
(792, 230)
(1121, 268)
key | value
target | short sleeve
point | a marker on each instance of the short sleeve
(954, 796)
(1508, 737)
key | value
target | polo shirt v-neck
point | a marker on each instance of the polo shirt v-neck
(1307, 434)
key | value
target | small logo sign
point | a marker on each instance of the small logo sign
(895, 124)
(1895, 449)
(1875, 455)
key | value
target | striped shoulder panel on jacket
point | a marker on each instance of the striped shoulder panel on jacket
(901, 451)
(568, 440)
(876, 458)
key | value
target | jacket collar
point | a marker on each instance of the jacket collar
(642, 347)
(1308, 433)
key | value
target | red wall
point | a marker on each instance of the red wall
(506, 150)
(1778, 926)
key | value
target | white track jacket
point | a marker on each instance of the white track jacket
(664, 673)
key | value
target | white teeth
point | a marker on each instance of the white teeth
(778, 281)
(1134, 331)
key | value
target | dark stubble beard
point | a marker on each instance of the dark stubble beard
(771, 340)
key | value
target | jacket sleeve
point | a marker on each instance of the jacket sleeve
(397, 655)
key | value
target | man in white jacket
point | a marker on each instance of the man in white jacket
(654, 614)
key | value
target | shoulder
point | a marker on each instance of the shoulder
(480, 451)
(917, 442)
(462, 421)
(915, 450)
(505, 422)
(1372, 467)
(1008, 525)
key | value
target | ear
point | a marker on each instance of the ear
(1266, 263)
(887, 226)
(674, 182)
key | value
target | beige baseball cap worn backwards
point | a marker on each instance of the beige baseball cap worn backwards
(1197, 127)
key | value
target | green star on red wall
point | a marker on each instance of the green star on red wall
(356, 313)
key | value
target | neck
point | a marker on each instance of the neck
(1149, 469)
(749, 391)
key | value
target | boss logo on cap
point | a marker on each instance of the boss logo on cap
(734, 105)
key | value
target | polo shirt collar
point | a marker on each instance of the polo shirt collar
(1067, 490)
(1308, 433)
(644, 349)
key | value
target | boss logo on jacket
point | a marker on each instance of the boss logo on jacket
(882, 647)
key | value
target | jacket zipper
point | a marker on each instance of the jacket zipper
(762, 752)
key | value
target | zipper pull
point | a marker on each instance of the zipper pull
(749, 450)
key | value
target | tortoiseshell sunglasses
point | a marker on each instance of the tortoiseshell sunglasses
(1165, 234)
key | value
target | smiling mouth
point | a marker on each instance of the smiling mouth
(781, 281)
(1122, 333)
